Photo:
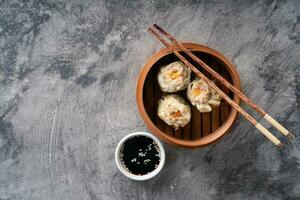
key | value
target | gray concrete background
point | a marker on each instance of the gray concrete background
(68, 73)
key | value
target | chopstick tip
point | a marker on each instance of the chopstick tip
(280, 145)
(150, 29)
(159, 28)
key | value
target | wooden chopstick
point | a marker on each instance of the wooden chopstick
(257, 125)
(223, 81)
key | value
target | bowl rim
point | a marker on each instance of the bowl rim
(212, 137)
(144, 177)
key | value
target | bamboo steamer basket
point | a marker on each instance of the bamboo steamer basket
(203, 128)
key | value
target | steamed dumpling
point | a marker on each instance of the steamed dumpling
(174, 111)
(198, 93)
(202, 96)
(174, 77)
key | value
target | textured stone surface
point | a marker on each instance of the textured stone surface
(67, 96)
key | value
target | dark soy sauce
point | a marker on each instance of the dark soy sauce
(140, 155)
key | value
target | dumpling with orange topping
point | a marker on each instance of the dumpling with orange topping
(198, 93)
(174, 111)
(174, 77)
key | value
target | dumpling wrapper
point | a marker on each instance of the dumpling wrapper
(215, 98)
(174, 111)
(204, 107)
(202, 96)
(174, 77)
(198, 93)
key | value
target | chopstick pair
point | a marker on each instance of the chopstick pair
(223, 81)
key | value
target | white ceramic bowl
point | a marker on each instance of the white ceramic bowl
(146, 176)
